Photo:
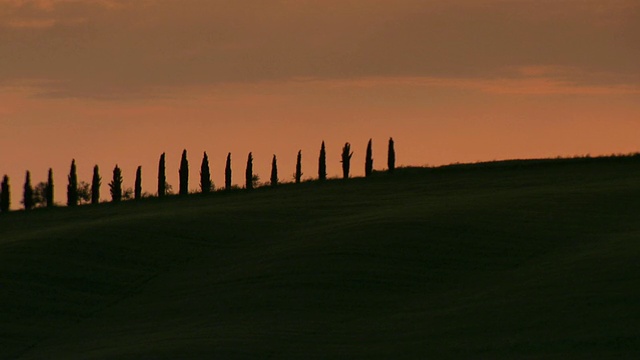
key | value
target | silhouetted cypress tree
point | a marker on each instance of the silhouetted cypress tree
(138, 187)
(162, 178)
(27, 199)
(274, 171)
(5, 195)
(49, 189)
(184, 174)
(72, 187)
(368, 165)
(299, 167)
(227, 173)
(391, 160)
(205, 175)
(322, 163)
(96, 182)
(346, 160)
(116, 185)
(249, 173)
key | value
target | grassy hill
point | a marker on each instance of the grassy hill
(536, 259)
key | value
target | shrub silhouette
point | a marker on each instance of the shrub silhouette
(346, 160)
(72, 187)
(368, 165)
(274, 171)
(205, 175)
(184, 174)
(391, 160)
(138, 186)
(95, 185)
(5, 195)
(40, 195)
(322, 163)
(27, 199)
(127, 194)
(249, 173)
(227, 173)
(116, 185)
(299, 167)
(84, 192)
(49, 189)
(162, 177)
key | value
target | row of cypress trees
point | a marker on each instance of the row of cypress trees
(76, 193)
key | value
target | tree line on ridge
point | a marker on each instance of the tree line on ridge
(81, 192)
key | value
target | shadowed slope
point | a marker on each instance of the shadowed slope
(496, 260)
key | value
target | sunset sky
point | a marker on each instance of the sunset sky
(119, 82)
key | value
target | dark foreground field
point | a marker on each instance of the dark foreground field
(536, 259)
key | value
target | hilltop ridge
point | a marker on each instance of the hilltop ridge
(522, 258)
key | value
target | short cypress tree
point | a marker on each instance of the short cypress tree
(299, 167)
(391, 160)
(249, 173)
(227, 173)
(322, 163)
(138, 187)
(274, 171)
(162, 177)
(72, 187)
(49, 189)
(184, 174)
(96, 182)
(27, 199)
(116, 185)
(5, 195)
(205, 175)
(346, 160)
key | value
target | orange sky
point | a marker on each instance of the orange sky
(110, 81)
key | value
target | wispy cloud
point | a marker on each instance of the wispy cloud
(47, 14)
(534, 85)
(31, 23)
(50, 5)
(114, 49)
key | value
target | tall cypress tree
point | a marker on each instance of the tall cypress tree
(138, 186)
(227, 173)
(299, 167)
(72, 187)
(391, 160)
(346, 160)
(49, 189)
(205, 175)
(322, 163)
(249, 173)
(5, 195)
(27, 199)
(274, 171)
(96, 182)
(184, 174)
(162, 177)
(368, 165)
(116, 185)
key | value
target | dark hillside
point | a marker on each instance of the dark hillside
(499, 260)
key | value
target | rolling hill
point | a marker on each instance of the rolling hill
(516, 259)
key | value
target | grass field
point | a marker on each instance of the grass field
(520, 259)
